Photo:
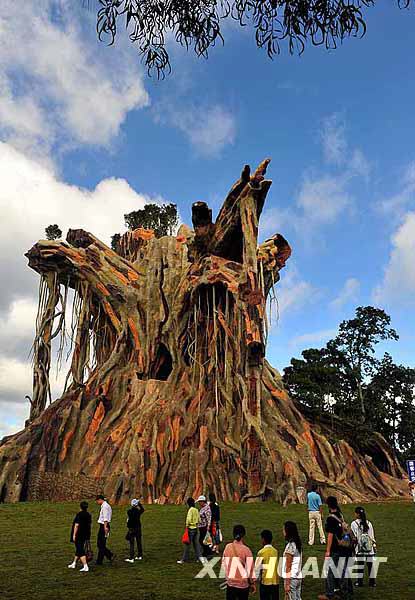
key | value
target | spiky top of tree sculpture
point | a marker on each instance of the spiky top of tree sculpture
(169, 393)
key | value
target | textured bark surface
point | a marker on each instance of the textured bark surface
(169, 394)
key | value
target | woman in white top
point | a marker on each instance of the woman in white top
(365, 547)
(292, 562)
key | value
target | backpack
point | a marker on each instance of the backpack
(348, 540)
(366, 544)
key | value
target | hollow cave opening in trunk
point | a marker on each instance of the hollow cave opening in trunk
(380, 460)
(162, 365)
(207, 333)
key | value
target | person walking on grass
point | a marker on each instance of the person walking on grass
(238, 564)
(80, 536)
(366, 546)
(205, 519)
(292, 562)
(267, 564)
(315, 512)
(215, 523)
(104, 522)
(134, 535)
(192, 526)
(338, 554)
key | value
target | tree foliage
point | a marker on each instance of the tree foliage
(353, 349)
(161, 218)
(198, 24)
(53, 232)
(345, 378)
(391, 408)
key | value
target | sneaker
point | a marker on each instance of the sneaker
(72, 566)
(84, 569)
(138, 558)
(203, 560)
(180, 562)
(311, 544)
(129, 560)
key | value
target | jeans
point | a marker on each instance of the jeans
(233, 593)
(206, 551)
(295, 590)
(135, 537)
(268, 592)
(103, 551)
(339, 578)
(194, 540)
(360, 563)
(315, 519)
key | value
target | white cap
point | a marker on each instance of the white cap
(201, 498)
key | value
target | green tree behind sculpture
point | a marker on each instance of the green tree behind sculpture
(53, 232)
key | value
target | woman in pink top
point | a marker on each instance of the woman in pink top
(238, 564)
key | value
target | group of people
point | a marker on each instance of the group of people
(81, 534)
(346, 546)
(202, 529)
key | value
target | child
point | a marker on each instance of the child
(267, 561)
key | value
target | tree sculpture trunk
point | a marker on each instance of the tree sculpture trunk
(169, 394)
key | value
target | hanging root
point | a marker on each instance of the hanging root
(49, 297)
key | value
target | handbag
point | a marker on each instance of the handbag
(88, 551)
(186, 537)
(129, 535)
(207, 539)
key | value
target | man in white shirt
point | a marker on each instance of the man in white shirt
(104, 520)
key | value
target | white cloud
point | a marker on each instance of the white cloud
(31, 198)
(12, 418)
(348, 293)
(333, 139)
(323, 197)
(292, 292)
(397, 203)
(19, 320)
(316, 338)
(15, 379)
(398, 285)
(208, 128)
(58, 87)
(322, 200)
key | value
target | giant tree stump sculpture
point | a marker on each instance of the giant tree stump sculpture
(169, 394)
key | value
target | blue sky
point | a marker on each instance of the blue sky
(85, 132)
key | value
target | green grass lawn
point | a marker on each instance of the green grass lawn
(35, 552)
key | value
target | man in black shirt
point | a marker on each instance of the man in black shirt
(134, 530)
(337, 555)
(80, 534)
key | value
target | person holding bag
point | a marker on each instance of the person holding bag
(80, 536)
(365, 547)
(205, 519)
(239, 566)
(215, 523)
(191, 534)
(134, 530)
